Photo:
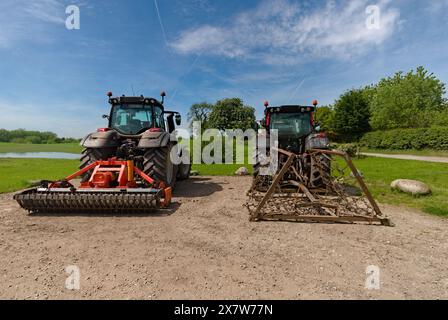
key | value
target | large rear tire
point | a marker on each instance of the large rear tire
(184, 171)
(260, 182)
(158, 165)
(89, 156)
(320, 171)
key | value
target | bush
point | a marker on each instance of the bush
(435, 138)
(350, 148)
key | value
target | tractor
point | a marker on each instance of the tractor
(126, 167)
(306, 183)
(297, 132)
(139, 128)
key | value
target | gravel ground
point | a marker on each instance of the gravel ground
(205, 248)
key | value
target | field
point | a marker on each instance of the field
(426, 152)
(379, 173)
(21, 147)
(18, 173)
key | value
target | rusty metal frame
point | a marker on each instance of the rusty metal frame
(257, 214)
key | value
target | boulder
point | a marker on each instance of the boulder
(414, 187)
(242, 172)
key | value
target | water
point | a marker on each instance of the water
(40, 155)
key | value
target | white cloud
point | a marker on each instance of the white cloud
(283, 32)
(23, 19)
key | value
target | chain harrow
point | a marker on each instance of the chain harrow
(318, 186)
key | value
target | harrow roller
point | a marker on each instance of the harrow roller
(118, 193)
(90, 202)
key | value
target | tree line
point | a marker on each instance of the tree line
(405, 100)
(34, 137)
(415, 99)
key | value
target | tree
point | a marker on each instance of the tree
(200, 112)
(406, 100)
(324, 116)
(231, 113)
(352, 114)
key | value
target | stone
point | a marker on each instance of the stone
(413, 187)
(242, 172)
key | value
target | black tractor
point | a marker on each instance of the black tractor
(139, 128)
(297, 133)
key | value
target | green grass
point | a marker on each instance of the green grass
(219, 169)
(16, 174)
(379, 173)
(23, 147)
(425, 152)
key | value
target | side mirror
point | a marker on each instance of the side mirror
(105, 116)
(263, 123)
(178, 119)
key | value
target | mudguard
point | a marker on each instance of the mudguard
(101, 140)
(317, 141)
(154, 140)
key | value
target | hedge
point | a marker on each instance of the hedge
(435, 138)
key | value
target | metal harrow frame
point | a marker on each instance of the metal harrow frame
(332, 203)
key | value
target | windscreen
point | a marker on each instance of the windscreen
(135, 118)
(291, 124)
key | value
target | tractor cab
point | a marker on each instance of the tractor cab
(136, 115)
(295, 127)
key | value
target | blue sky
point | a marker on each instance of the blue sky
(284, 51)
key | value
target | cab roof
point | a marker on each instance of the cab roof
(135, 100)
(291, 108)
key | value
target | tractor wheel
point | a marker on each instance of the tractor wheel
(184, 171)
(320, 170)
(261, 183)
(89, 156)
(158, 165)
